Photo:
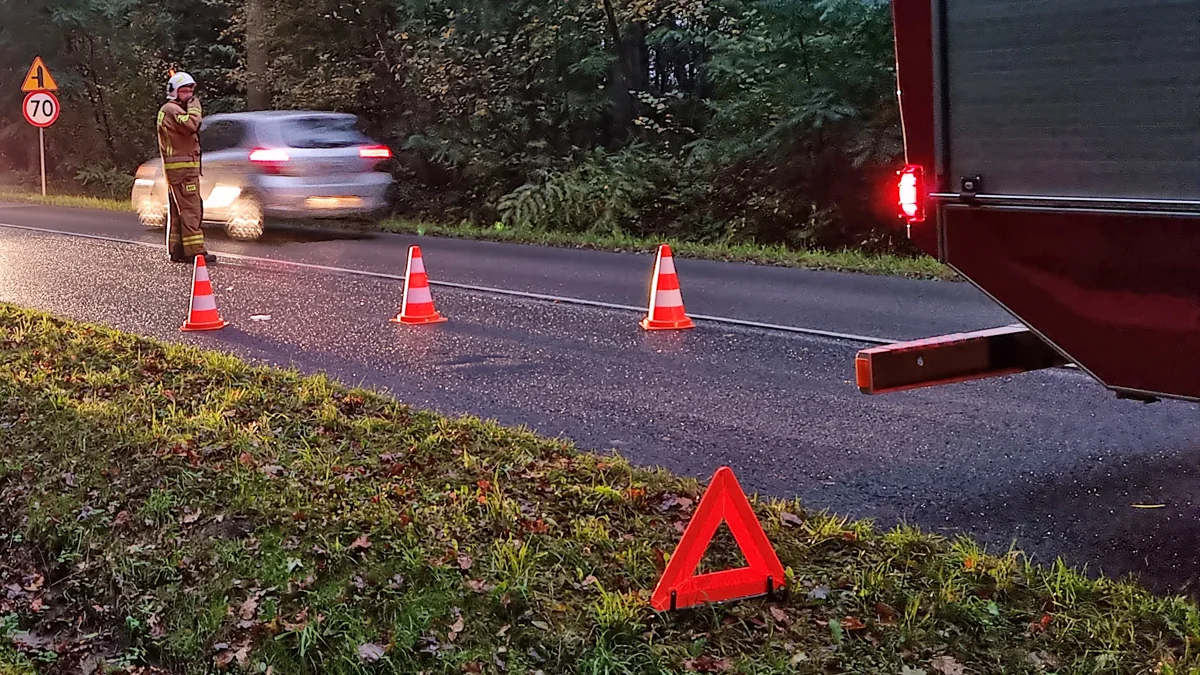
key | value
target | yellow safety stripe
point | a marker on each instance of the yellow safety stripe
(162, 116)
(198, 239)
(183, 119)
(171, 166)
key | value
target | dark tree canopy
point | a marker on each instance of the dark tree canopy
(744, 120)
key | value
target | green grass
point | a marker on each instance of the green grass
(846, 261)
(180, 508)
(73, 201)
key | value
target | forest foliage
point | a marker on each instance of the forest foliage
(770, 121)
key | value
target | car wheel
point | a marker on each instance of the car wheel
(152, 214)
(245, 219)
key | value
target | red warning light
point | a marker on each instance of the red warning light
(912, 193)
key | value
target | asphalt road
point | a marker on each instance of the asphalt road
(1049, 459)
(848, 303)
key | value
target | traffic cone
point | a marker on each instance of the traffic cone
(417, 306)
(203, 314)
(666, 301)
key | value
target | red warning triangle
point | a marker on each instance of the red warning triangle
(724, 501)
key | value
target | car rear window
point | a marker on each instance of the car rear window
(322, 132)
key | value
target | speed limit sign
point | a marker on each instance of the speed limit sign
(40, 109)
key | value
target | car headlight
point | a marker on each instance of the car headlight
(222, 196)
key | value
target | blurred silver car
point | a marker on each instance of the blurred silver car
(277, 164)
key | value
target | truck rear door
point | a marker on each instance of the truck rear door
(1074, 100)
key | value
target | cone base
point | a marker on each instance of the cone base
(195, 327)
(418, 321)
(682, 324)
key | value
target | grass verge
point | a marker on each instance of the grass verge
(73, 201)
(180, 510)
(843, 261)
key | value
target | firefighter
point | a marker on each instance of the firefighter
(179, 145)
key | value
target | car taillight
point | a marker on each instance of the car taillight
(375, 152)
(912, 193)
(270, 160)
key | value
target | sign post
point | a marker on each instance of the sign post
(40, 107)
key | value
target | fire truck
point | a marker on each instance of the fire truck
(1052, 159)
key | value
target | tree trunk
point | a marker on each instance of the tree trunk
(258, 83)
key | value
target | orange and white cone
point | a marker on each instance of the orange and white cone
(666, 300)
(203, 314)
(417, 306)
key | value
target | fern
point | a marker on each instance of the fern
(604, 192)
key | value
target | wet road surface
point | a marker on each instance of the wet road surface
(886, 307)
(1050, 459)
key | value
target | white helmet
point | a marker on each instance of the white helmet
(178, 80)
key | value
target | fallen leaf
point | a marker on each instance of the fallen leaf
(660, 559)
(36, 605)
(242, 655)
(1042, 660)
(947, 665)
(190, 518)
(853, 623)
(1042, 624)
(707, 664)
(908, 670)
(791, 519)
(69, 479)
(472, 667)
(370, 652)
(246, 459)
(503, 630)
(248, 609)
(885, 612)
(484, 485)
(457, 626)
(540, 624)
(819, 593)
(35, 583)
(780, 615)
(363, 543)
(121, 519)
(465, 562)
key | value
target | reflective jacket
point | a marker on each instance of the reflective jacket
(178, 139)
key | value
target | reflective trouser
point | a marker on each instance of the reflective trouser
(185, 239)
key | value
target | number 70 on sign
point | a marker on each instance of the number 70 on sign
(41, 109)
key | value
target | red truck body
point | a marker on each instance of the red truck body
(1053, 152)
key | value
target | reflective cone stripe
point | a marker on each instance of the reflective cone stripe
(417, 305)
(666, 300)
(202, 313)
